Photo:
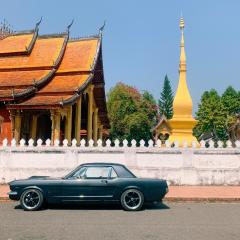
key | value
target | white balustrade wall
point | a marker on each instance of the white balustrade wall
(216, 164)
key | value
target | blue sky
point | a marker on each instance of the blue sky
(141, 38)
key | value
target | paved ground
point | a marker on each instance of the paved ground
(4, 189)
(210, 193)
(170, 221)
(192, 193)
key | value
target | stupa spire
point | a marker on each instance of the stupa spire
(182, 122)
(182, 104)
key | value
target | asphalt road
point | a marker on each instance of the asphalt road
(198, 221)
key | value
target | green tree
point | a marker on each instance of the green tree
(216, 114)
(148, 106)
(166, 100)
(231, 101)
(211, 116)
(138, 127)
(131, 114)
(121, 102)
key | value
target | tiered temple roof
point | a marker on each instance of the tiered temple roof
(50, 71)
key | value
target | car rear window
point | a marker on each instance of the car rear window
(123, 172)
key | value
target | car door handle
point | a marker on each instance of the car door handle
(104, 181)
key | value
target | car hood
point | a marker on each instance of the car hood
(33, 178)
(41, 177)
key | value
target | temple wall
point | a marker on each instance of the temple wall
(5, 131)
(180, 166)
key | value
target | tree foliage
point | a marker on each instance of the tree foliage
(216, 113)
(231, 101)
(131, 114)
(166, 100)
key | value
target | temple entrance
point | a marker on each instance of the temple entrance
(62, 128)
(25, 125)
(44, 125)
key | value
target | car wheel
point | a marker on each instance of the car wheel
(31, 199)
(132, 200)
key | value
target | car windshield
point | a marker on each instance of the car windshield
(72, 172)
(80, 172)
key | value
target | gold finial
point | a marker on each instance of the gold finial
(181, 25)
(182, 54)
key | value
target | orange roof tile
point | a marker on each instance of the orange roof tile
(67, 83)
(44, 54)
(79, 55)
(44, 100)
(6, 93)
(16, 43)
(20, 69)
(21, 78)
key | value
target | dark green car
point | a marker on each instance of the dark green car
(92, 182)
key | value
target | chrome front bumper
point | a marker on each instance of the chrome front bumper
(13, 195)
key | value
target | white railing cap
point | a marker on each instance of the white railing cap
(211, 144)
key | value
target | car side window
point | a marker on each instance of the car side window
(97, 172)
(113, 174)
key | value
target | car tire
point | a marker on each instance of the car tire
(31, 200)
(132, 200)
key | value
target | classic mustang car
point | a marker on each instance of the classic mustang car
(92, 182)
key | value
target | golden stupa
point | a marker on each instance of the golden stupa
(182, 122)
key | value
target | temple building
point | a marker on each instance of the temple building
(51, 86)
(161, 130)
(180, 127)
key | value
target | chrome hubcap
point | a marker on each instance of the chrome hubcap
(132, 199)
(31, 199)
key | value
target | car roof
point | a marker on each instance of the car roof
(120, 169)
(102, 164)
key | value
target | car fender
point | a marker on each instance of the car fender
(131, 187)
(33, 187)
